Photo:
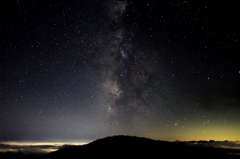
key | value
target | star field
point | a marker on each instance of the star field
(82, 70)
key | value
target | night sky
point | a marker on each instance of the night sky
(81, 70)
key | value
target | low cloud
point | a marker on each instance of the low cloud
(221, 144)
(231, 144)
(28, 148)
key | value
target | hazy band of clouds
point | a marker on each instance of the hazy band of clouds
(30, 148)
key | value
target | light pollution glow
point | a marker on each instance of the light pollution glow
(26, 147)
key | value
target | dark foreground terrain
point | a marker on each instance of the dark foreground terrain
(129, 147)
(134, 147)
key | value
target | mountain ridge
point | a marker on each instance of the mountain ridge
(132, 146)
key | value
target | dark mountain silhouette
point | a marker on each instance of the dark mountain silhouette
(133, 147)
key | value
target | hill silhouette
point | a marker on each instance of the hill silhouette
(128, 147)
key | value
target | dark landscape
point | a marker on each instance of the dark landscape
(129, 147)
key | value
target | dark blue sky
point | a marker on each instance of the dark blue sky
(81, 70)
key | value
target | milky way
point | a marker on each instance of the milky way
(78, 71)
(129, 74)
